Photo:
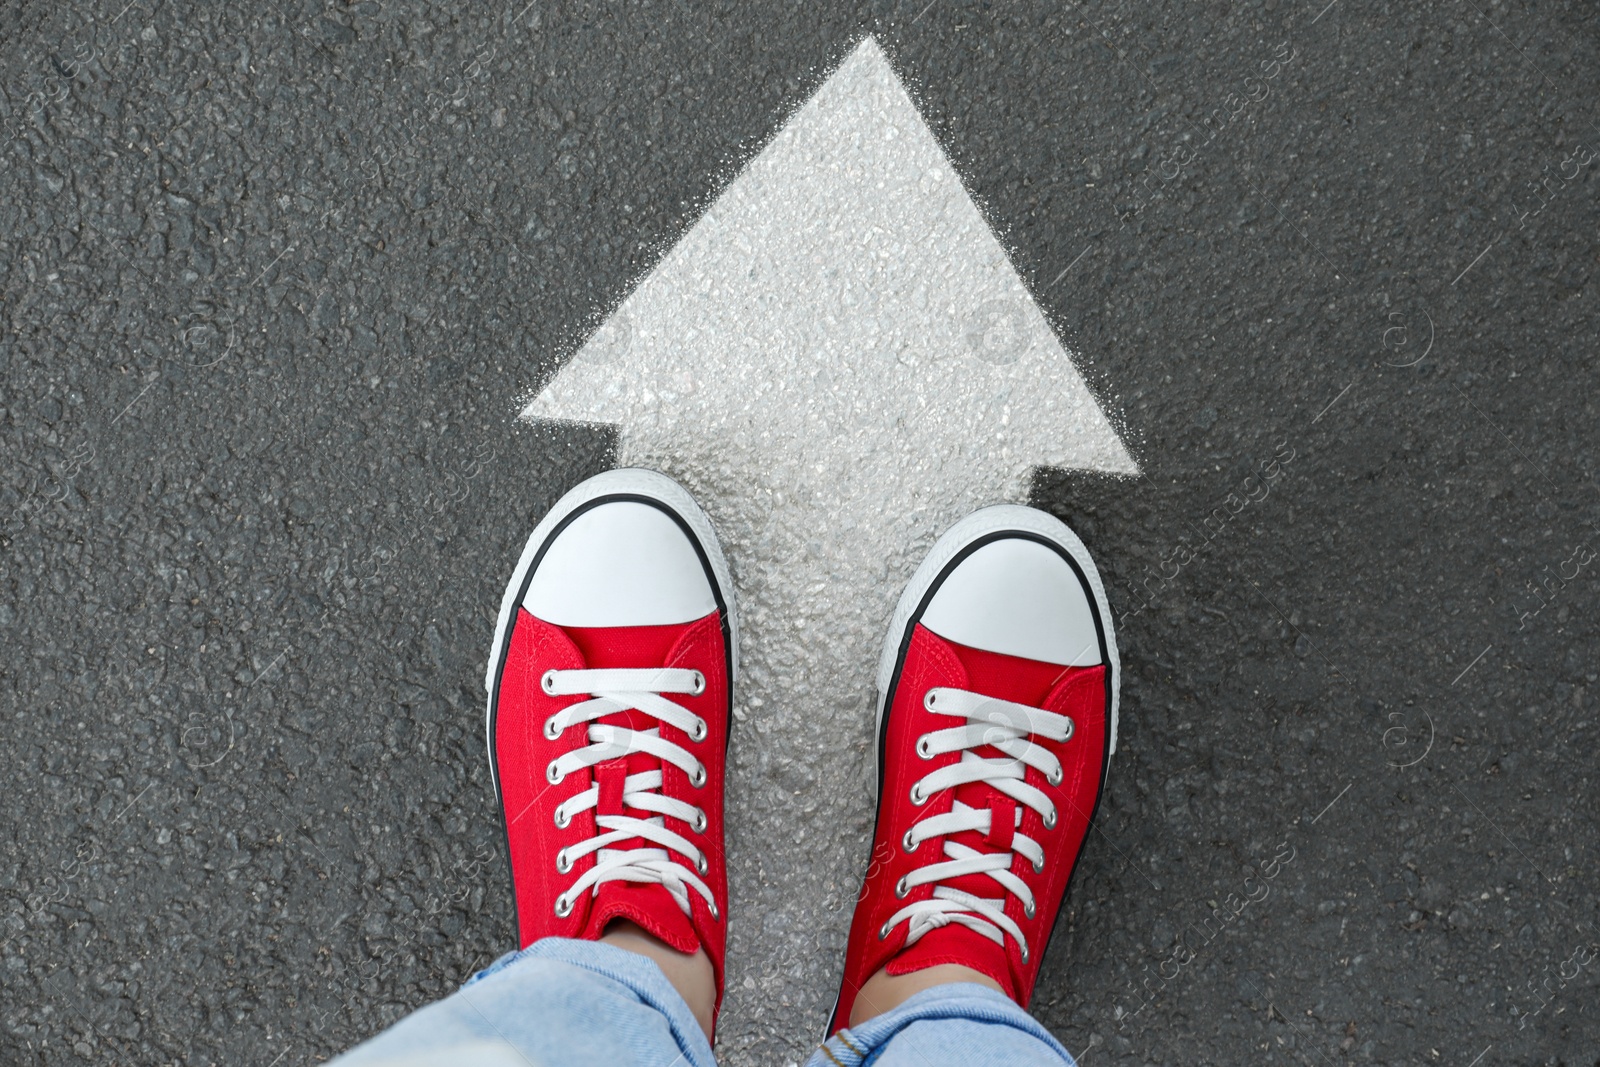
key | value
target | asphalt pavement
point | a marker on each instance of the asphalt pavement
(275, 282)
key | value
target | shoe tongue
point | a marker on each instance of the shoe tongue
(628, 648)
(1024, 681)
(625, 646)
(954, 943)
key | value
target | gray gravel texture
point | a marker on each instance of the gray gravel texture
(273, 279)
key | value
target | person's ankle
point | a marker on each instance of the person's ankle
(689, 972)
(884, 992)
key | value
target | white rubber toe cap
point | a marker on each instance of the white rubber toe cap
(1017, 597)
(620, 563)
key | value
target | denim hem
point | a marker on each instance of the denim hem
(965, 1002)
(637, 972)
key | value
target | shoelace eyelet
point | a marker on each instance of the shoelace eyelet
(924, 748)
(1024, 948)
(563, 862)
(700, 730)
(552, 775)
(901, 888)
(701, 865)
(928, 699)
(562, 822)
(1028, 910)
(698, 777)
(699, 823)
(1055, 777)
(548, 684)
(550, 731)
(1050, 819)
(883, 932)
(715, 914)
(1038, 867)
(563, 906)
(908, 844)
(699, 684)
(917, 796)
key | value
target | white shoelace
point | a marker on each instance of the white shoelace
(1008, 727)
(610, 691)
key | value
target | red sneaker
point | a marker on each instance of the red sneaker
(997, 707)
(610, 688)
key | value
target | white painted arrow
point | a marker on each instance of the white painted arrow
(839, 360)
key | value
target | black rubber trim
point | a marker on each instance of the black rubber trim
(1105, 658)
(522, 591)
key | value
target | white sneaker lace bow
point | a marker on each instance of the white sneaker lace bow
(1009, 728)
(613, 690)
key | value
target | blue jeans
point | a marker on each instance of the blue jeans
(564, 1003)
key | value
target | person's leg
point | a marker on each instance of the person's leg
(884, 991)
(609, 705)
(690, 973)
(996, 722)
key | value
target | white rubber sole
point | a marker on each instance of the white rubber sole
(623, 482)
(979, 526)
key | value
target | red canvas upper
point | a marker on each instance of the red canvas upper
(523, 753)
(932, 661)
